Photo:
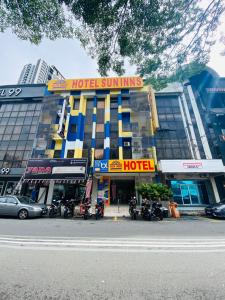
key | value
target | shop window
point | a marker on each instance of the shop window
(127, 153)
(99, 143)
(29, 113)
(99, 153)
(2, 129)
(4, 121)
(73, 128)
(101, 104)
(100, 128)
(2, 155)
(57, 153)
(25, 129)
(100, 116)
(90, 104)
(114, 153)
(76, 104)
(70, 154)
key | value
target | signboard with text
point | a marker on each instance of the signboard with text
(125, 166)
(102, 83)
(65, 168)
(22, 91)
(192, 166)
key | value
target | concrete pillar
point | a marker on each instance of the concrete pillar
(215, 190)
(50, 192)
(42, 194)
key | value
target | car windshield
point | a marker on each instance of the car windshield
(25, 199)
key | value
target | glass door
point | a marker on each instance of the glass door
(185, 194)
(194, 193)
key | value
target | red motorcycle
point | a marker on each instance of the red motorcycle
(85, 210)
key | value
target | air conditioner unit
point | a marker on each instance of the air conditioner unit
(126, 144)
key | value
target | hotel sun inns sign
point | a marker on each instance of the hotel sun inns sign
(102, 83)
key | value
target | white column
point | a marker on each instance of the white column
(42, 194)
(201, 128)
(186, 128)
(191, 128)
(50, 192)
(215, 191)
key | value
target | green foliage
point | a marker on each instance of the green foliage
(154, 191)
(156, 35)
(181, 74)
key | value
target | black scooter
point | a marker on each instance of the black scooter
(68, 209)
(133, 210)
(55, 209)
(146, 211)
(157, 211)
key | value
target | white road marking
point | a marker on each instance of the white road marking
(166, 245)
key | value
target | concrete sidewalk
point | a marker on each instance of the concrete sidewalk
(115, 211)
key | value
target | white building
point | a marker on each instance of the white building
(39, 73)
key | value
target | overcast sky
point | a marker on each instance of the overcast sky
(67, 55)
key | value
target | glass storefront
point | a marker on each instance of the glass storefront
(189, 192)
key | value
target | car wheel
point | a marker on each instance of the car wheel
(23, 214)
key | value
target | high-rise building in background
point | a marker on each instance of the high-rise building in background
(39, 73)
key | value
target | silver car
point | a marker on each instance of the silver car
(21, 206)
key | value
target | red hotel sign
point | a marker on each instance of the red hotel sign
(131, 165)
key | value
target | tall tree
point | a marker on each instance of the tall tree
(155, 35)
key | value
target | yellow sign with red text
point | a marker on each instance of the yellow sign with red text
(103, 83)
(131, 165)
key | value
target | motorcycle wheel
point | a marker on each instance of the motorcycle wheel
(135, 217)
(51, 214)
(85, 217)
(65, 214)
(149, 218)
(161, 216)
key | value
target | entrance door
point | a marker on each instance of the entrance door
(125, 189)
(189, 192)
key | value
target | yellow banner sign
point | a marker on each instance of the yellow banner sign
(131, 165)
(103, 83)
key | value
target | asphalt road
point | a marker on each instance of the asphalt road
(193, 226)
(77, 259)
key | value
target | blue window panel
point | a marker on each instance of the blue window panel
(107, 129)
(119, 116)
(94, 118)
(71, 136)
(52, 145)
(119, 100)
(106, 153)
(63, 149)
(68, 109)
(102, 92)
(80, 130)
(126, 118)
(93, 143)
(125, 91)
(120, 141)
(61, 101)
(95, 101)
(75, 93)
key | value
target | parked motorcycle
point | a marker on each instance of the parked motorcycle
(133, 209)
(146, 210)
(55, 208)
(99, 210)
(68, 209)
(85, 210)
(157, 211)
